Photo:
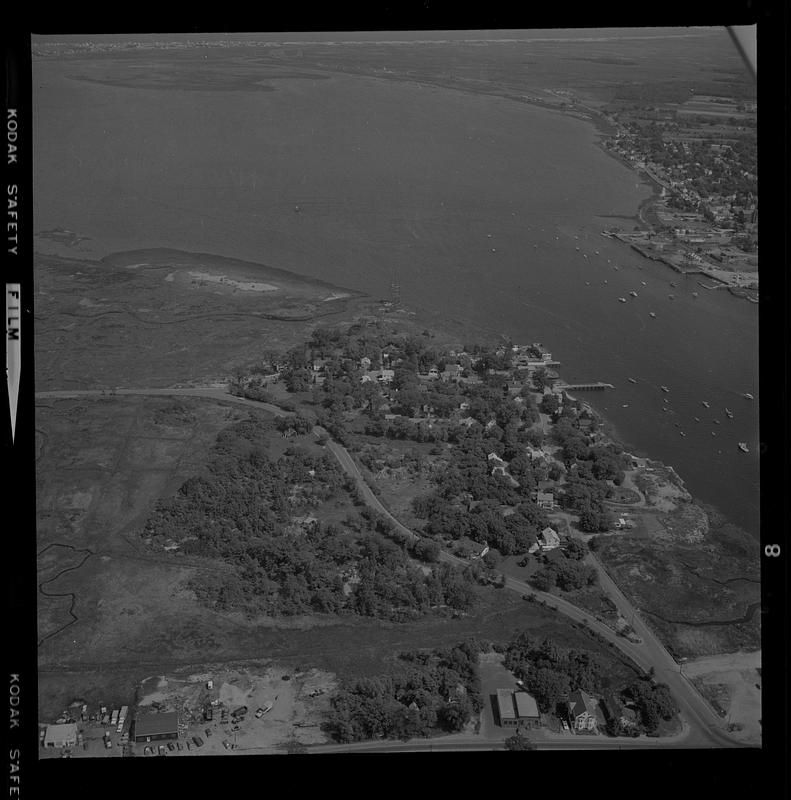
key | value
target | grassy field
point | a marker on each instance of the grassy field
(129, 319)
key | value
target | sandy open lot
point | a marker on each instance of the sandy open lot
(297, 701)
(734, 679)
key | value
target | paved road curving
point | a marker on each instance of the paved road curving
(702, 726)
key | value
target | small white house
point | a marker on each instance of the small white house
(549, 538)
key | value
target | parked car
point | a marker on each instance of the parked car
(565, 725)
(171, 746)
(162, 750)
(208, 732)
(147, 751)
(226, 744)
(198, 741)
(178, 746)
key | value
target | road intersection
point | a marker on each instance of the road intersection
(701, 726)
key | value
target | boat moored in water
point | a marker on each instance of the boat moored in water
(664, 388)
(748, 396)
(652, 315)
(728, 413)
(633, 293)
(621, 299)
(705, 404)
(631, 380)
(743, 447)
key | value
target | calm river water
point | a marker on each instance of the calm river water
(477, 204)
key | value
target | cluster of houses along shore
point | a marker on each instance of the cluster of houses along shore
(458, 365)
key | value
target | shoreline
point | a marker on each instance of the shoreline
(646, 206)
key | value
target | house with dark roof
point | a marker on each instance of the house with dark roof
(451, 372)
(614, 710)
(545, 500)
(582, 711)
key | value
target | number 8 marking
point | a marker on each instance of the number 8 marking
(772, 550)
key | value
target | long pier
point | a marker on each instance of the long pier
(580, 387)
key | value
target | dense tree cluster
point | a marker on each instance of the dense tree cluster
(434, 692)
(519, 742)
(485, 524)
(551, 672)
(653, 702)
(241, 512)
(566, 573)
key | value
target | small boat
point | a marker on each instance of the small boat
(673, 284)
(665, 400)
(621, 299)
(671, 297)
(748, 396)
(664, 388)
(644, 283)
(488, 235)
(716, 422)
(633, 293)
(743, 447)
(697, 419)
(664, 408)
(616, 268)
(494, 250)
(652, 315)
(605, 281)
(596, 252)
(584, 255)
(681, 433)
(705, 404)
(631, 380)
(729, 413)
(694, 294)
(713, 433)
(587, 283)
(625, 405)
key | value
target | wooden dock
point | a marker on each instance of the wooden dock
(583, 387)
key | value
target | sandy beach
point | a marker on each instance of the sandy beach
(244, 286)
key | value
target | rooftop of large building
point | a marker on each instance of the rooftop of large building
(157, 724)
